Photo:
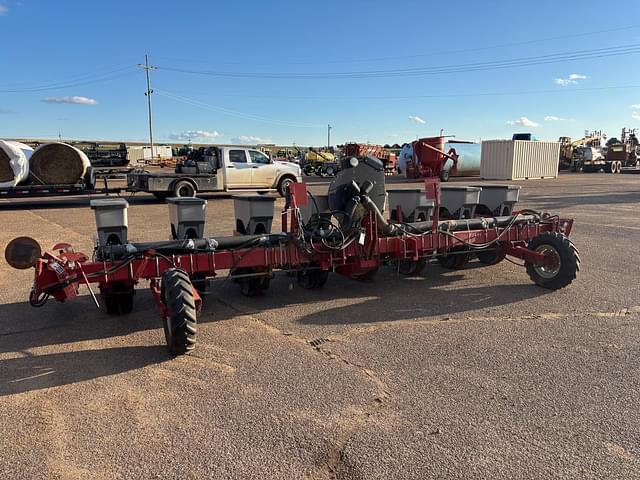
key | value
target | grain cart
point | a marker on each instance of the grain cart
(347, 232)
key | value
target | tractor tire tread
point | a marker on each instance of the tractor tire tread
(182, 309)
(569, 261)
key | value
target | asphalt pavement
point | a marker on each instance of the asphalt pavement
(473, 373)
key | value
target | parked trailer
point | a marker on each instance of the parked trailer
(355, 243)
(225, 169)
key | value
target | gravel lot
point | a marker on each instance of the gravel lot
(475, 373)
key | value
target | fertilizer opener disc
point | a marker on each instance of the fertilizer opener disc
(22, 253)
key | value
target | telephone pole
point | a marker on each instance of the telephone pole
(329, 127)
(148, 93)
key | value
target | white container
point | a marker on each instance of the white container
(140, 153)
(111, 220)
(187, 217)
(519, 159)
(460, 201)
(254, 213)
(499, 199)
(413, 203)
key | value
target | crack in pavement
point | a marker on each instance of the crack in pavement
(334, 466)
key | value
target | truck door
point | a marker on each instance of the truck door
(263, 170)
(238, 169)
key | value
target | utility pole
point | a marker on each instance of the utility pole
(148, 93)
(329, 127)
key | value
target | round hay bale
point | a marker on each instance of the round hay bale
(14, 163)
(57, 163)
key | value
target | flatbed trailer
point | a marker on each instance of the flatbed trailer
(229, 170)
(60, 190)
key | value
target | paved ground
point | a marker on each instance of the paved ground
(456, 374)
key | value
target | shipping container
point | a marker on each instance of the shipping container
(519, 159)
(141, 153)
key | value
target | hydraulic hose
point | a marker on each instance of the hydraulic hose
(178, 247)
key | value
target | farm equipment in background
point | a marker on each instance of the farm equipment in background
(104, 155)
(360, 150)
(426, 158)
(321, 163)
(344, 231)
(623, 156)
(571, 157)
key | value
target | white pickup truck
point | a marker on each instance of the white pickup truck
(221, 169)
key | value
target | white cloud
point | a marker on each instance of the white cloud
(635, 105)
(250, 139)
(416, 119)
(3, 10)
(553, 118)
(635, 115)
(571, 79)
(524, 121)
(75, 100)
(195, 134)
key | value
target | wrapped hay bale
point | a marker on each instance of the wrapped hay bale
(14, 163)
(57, 163)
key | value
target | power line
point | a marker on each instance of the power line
(95, 71)
(421, 55)
(61, 86)
(427, 96)
(423, 71)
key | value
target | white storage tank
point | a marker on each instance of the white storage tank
(519, 159)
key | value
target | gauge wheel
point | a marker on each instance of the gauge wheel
(180, 318)
(491, 257)
(567, 261)
(411, 267)
(118, 299)
(453, 261)
(312, 279)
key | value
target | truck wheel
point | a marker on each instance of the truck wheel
(618, 167)
(284, 184)
(118, 299)
(556, 245)
(184, 189)
(180, 320)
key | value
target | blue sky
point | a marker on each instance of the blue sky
(69, 67)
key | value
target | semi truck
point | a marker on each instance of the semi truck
(221, 169)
